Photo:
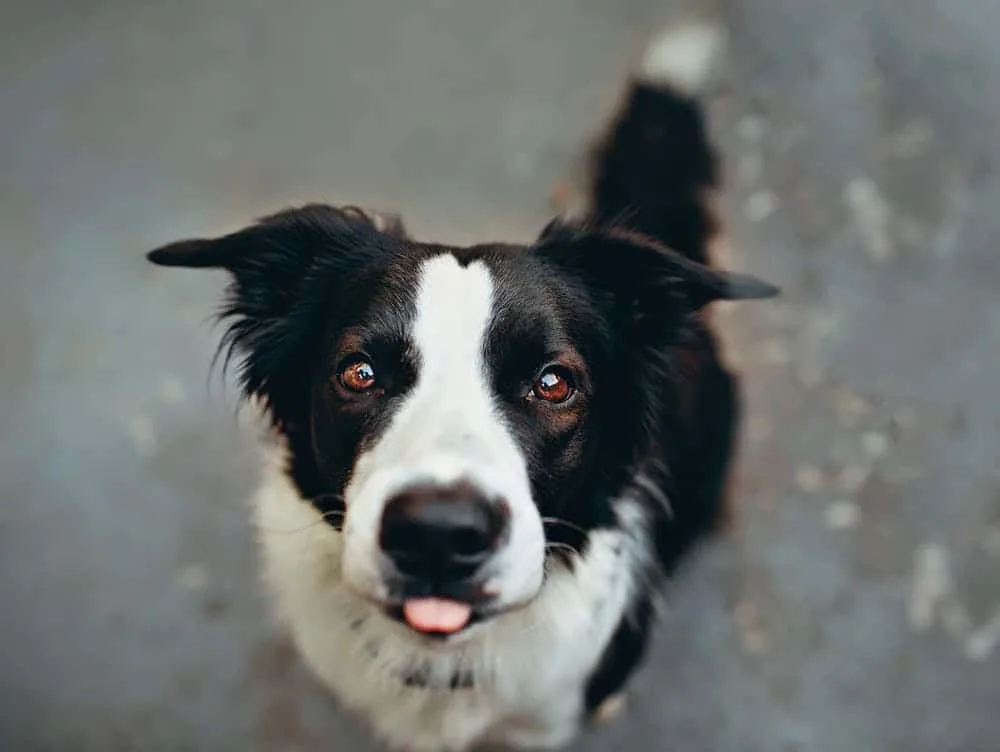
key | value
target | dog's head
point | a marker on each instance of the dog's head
(455, 411)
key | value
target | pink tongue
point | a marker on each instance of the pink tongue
(436, 615)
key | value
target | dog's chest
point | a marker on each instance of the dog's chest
(526, 708)
(518, 679)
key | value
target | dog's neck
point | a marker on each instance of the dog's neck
(419, 678)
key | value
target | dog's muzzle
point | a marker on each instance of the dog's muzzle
(437, 543)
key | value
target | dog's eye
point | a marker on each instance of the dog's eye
(357, 376)
(554, 384)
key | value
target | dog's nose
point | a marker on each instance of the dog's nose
(442, 535)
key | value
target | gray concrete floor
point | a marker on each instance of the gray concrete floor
(856, 604)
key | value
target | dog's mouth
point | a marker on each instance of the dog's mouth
(445, 619)
(442, 611)
(436, 617)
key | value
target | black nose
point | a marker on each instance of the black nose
(442, 535)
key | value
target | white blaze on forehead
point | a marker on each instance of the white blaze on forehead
(453, 311)
(447, 427)
(449, 423)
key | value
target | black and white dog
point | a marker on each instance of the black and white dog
(482, 462)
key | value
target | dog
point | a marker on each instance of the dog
(482, 463)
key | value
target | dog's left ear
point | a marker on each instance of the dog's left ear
(643, 271)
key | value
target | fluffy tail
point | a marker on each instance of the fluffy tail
(655, 170)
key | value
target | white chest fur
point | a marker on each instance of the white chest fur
(520, 677)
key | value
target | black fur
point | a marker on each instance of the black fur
(655, 168)
(653, 175)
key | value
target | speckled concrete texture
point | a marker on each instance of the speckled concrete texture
(854, 606)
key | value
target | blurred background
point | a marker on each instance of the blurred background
(855, 604)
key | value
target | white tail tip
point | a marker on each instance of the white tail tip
(683, 56)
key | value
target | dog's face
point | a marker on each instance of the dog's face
(459, 414)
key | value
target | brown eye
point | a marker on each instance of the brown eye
(553, 385)
(357, 376)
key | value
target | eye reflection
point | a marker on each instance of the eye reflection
(554, 385)
(357, 376)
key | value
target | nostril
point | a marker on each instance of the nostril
(399, 537)
(470, 542)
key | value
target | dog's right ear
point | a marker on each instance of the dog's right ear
(272, 260)
(272, 264)
(298, 234)
(196, 253)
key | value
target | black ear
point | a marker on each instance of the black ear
(703, 285)
(194, 253)
(646, 272)
(272, 260)
(297, 234)
(274, 265)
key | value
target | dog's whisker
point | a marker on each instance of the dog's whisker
(535, 625)
(339, 498)
(558, 521)
(291, 530)
(334, 516)
(558, 547)
(654, 491)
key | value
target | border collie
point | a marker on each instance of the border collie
(481, 463)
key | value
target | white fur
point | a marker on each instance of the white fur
(529, 666)
(610, 710)
(447, 430)
(683, 56)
